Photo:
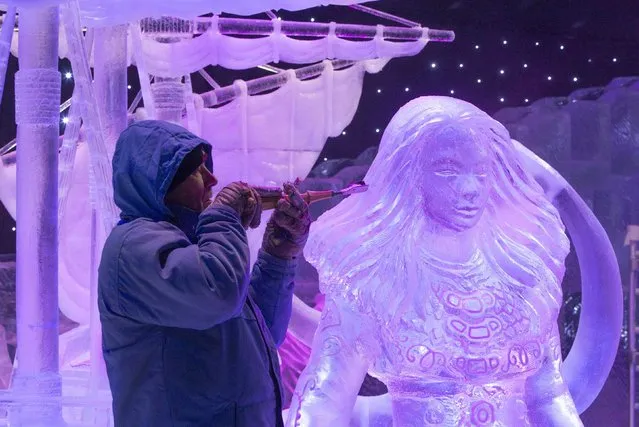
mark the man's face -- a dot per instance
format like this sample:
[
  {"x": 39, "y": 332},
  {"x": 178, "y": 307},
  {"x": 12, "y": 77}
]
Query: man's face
[{"x": 195, "y": 191}]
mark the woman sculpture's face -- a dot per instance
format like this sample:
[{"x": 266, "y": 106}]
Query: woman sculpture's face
[{"x": 456, "y": 180}]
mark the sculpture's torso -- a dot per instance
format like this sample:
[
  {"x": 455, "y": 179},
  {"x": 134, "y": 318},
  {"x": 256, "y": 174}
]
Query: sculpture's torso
[{"x": 462, "y": 357}]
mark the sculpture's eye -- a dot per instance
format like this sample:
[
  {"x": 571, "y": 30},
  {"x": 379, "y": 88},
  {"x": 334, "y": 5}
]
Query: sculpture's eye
[{"x": 446, "y": 172}]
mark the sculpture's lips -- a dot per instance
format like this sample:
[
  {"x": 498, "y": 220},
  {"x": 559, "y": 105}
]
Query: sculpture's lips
[{"x": 467, "y": 210}]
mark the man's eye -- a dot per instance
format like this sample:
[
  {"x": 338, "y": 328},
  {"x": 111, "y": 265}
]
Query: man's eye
[{"x": 446, "y": 173}]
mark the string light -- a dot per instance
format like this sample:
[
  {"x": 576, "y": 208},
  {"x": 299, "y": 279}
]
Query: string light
[
  {"x": 478, "y": 80},
  {"x": 65, "y": 120},
  {"x": 526, "y": 100},
  {"x": 536, "y": 43},
  {"x": 406, "y": 89},
  {"x": 476, "y": 47},
  {"x": 501, "y": 99},
  {"x": 325, "y": 158},
  {"x": 128, "y": 87},
  {"x": 505, "y": 42},
  {"x": 461, "y": 65},
  {"x": 574, "y": 79},
  {"x": 549, "y": 78},
  {"x": 68, "y": 75},
  {"x": 433, "y": 65},
  {"x": 379, "y": 91},
  {"x": 376, "y": 130},
  {"x": 344, "y": 133},
  {"x": 452, "y": 91},
  {"x": 501, "y": 72},
  {"x": 525, "y": 65},
  {"x": 13, "y": 229},
  {"x": 589, "y": 59},
  {"x": 561, "y": 47},
  {"x": 614, "y": 59},
  {"x": 312, "y": 19}
]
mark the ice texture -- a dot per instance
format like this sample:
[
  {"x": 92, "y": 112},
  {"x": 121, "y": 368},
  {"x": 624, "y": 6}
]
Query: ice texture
[{"x": 444, "y": 281}]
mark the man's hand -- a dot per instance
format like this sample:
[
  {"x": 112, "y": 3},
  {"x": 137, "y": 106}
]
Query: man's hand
[
  {"x": 287, "y": 230},
  {"x": 244, "y": 200}
]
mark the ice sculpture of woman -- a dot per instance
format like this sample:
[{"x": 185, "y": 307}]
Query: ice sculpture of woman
[{"x": 443, "y": 281}]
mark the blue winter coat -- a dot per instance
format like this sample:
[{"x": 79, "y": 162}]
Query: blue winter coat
[{"x": 189, "y": 337}]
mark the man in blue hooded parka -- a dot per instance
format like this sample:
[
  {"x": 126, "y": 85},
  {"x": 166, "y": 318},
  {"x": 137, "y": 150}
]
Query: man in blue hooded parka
[{"x": 189, "y": 334}]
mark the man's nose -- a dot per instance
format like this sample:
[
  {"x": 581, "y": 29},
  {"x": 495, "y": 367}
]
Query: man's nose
[{"x": 210, "y": 179}]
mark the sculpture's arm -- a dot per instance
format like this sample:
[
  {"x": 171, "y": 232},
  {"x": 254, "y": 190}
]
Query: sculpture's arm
[
  {"x": 547, "y": 397},
  {"x": 327, "y": 389}
]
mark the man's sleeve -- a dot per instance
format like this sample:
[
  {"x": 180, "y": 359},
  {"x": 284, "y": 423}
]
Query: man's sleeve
[
  {"x": 272, "y": 283},
  {"x": 164, "y": 279}
]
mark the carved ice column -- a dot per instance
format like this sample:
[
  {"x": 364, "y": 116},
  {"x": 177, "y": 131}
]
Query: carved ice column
[
  {"x": 36, "y": 382},
  {"x": 110, "y": 85},
  {"x": 111, "y": 81},
  {"x": 168, "y": 99}
]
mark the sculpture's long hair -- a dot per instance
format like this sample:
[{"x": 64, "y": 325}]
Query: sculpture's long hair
[{"x": 369, "y": 249}]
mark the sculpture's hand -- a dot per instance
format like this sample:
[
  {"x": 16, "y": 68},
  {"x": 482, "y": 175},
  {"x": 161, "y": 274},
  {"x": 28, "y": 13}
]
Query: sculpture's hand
[{"x": 547, "y": 397}]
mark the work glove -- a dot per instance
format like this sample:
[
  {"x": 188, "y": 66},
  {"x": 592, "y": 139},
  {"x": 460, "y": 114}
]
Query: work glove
[
  {"x": 287, "y": 230},
  {"x": 244, "y": 200}
]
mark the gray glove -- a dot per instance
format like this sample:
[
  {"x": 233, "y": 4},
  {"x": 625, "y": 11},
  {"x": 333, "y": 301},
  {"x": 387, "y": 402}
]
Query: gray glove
[
  {"x": 244, "y": 200},
  {"x": 287, "y": 230}
]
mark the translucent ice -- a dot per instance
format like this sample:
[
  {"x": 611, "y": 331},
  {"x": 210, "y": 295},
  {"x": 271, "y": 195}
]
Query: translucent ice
[{"x": 443, "y": 281}]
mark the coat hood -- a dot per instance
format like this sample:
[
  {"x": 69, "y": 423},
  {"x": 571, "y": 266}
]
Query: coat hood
[{"x": 147, "y": 156}]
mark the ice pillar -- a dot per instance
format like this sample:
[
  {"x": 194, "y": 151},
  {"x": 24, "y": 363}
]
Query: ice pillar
[
  {"x": 110, "y": 86},
  {"x": 110, "y": 83},
  {"x": 36, "y": 382},
  {"x": 168, "y": 98}
]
